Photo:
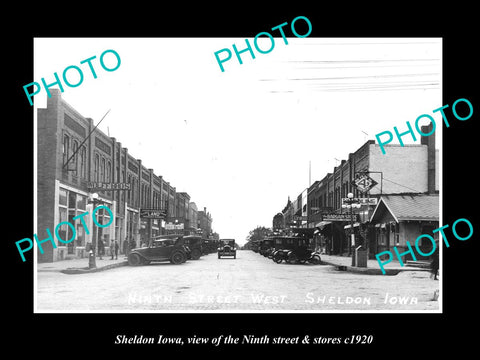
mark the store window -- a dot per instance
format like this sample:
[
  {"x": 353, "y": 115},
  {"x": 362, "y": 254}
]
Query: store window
[
  {"x": 103, "y": 218},
  {"x": 62, "y": 198},
  {"x": 72, "y": 200},
  {"x": 62, "y": 230},
  {"x": 81, "y": 202},
  {"x": 71, "y": 205}
]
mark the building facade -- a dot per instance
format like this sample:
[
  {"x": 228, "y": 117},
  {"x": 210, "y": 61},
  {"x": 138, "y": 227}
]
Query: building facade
[
  {"x": 403, "y": 217},
  {"x": 204, "y": 223},
  {"x": 411, "y": 169},
  {"x": 75, "y": 160}
]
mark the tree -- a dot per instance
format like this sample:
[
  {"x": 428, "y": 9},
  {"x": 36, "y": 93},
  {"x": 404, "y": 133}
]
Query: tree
[{"x": 258, "y": 233}]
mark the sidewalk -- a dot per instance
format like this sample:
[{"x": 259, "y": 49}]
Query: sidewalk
[
  {"x": 80, "y": 266},
  {"x": 344, "y": 263}
]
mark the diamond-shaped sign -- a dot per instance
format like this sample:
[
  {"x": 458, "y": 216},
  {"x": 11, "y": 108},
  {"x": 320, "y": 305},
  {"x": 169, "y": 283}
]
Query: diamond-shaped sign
[{"x": 363, "y": 182}]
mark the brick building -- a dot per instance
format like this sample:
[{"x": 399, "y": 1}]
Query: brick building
[
  {"x": 204, "y": 223},
  {"x": 66, "y": 183},
  {"x": 410, "y": 169}
]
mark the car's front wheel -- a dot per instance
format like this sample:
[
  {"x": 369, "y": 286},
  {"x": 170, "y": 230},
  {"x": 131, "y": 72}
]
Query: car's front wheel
[
  {"x": 315, "y": 260},
  {"x": 278, "y": 258},
  {"x": 196, "y": 254},
  {"x": 291, "y": 258},
  {"x": 134, "y": 259},
  {"x": 177, "y": 258}
]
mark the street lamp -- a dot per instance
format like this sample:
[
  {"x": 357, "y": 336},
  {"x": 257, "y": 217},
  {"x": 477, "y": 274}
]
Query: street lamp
[
  {"x": 351, "y": 203},
  {"x": 93, "y": 199}
]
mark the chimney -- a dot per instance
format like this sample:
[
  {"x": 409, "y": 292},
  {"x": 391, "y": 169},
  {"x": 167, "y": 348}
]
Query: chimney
[{"x": 430, "y": 142}]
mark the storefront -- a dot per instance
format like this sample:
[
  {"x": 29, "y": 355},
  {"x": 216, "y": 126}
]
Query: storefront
[
  {"x": 401, "y": 218},
  {"x": 73, "y": 202}
]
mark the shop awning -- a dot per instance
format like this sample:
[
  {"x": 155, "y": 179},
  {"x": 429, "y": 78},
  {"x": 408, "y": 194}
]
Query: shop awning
[
  {"x": 321, "y": 224},
  {"x": 401, "y": 207},
  {"x": 354, "y": 225}
]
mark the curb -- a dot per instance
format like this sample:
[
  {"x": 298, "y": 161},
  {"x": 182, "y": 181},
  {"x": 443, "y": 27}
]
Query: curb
[
  {"x": 370, "y": 271},
  {"x": 86, "y": 270}
]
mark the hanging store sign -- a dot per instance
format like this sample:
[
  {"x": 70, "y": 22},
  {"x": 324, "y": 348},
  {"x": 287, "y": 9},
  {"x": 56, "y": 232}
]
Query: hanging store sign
[
  {"x": 153, "y": 213},
  {"x": 363, "y": 182},
  {"x": 299, "y": 218},
  {"x": 172, "y": 226},
  {"x": 361, "y": 201},
  {"x": 339, "y": 217},
  {"x": 95, "y": 185}
]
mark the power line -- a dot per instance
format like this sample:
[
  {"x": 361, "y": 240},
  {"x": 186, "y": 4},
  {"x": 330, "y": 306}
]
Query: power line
[{"x": 402, "y": 185}]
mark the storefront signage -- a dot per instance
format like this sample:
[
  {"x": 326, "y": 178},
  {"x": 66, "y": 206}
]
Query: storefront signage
[
  {"x": 299, "y": 218},
  {"x": 361, "y": 201},
  {"x": 363, "y": 182},
  {"x": 172, "y": 226},
  {"x": 153, "y": 213},
  {"x": 93, "y": 185},
  {"x": 339, "y": 217},
  {"x": 322, "y": 209}
]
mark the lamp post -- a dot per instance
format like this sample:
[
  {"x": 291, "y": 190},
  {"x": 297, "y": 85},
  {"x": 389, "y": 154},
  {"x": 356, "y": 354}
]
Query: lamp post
[
  {"x": 93, "y": 199},
  {"x": 351, "y": 203}
]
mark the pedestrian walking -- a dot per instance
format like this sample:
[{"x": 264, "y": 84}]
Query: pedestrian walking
[
  {"x": 112, "y": 249},
  {"x": 125, "y": 247},
  {"x": 117, "y": 247},
  {"x": 434, "y": 265},
  {"x": 101, "y": 248}
]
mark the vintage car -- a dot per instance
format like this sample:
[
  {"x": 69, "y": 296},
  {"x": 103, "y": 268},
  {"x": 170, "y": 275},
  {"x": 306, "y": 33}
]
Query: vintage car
[
  {"x": 171, "y": 249},
  {"x": 209, "y": 246},
  {"x": 266, "y": 246},
  {"x": 295, "y": 250},
  {"x": 195, "y": 243},
  {"x": 282, "y": 246},
  {"x": 227, "y": 248},
  {"x": 302, "y": 252}
]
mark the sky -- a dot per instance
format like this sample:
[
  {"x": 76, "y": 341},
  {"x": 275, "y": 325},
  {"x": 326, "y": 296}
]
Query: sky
[{"x": 239, "y": 142}]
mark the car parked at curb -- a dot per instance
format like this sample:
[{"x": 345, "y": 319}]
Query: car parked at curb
[
  {"x": 171, "y": 249},
  {"x": 196, "y": 244}
]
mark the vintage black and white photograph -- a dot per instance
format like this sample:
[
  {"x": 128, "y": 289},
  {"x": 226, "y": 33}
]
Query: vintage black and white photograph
[{"x": 268, "y": 174}]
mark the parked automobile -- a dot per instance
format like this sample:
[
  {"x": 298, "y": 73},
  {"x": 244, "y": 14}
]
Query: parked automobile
[
  {"x": 301, "y": 252},
  {"x": 227, "y": 248},
  {"x": 282, "y": 246},
  {"x": 171, "y": 249},
  {"x": 265, "y": 246},
  {"x": 209, "y": 246},
  {"x": 195, "y": 244}
]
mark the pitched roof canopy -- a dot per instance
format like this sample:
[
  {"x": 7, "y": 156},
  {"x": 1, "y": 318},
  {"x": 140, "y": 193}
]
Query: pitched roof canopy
[{"x": 416, "y": 207}]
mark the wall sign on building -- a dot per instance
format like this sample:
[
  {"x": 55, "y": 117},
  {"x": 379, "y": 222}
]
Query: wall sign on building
[
  {"x": 339, "y": 217},
  {"x": 95, "y": 185},
  {"x": 153, "y": 213}
]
